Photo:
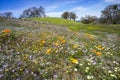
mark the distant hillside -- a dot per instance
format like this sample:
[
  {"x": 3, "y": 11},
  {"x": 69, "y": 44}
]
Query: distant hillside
[
  {"x": 57, "y": 21},
  {"x": 77, "y": 26}
]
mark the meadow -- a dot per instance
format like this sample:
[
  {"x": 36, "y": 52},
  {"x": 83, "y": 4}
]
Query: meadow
[{"x": 59, "y": 49}]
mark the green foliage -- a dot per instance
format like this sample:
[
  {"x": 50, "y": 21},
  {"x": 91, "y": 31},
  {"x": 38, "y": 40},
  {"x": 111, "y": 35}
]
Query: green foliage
[
  {"x": 65, "y": 15},
  {"x": 33, "y": 12},
  {"x": 69, "y": 15},
  {"x": 7, "y": 15},
  {"x": 72, "y": 16},
  {"x": 77, "y": 26},
  {"x": 88, "y": 19},
  {"x": 111, "y": 14}
]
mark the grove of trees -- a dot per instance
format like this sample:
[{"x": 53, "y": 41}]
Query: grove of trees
[
  {"x": 69, "y": 15},
  {"x": 33, "y": 12},
  {"x": 7, "y": 15},
  {"x": 110, "y": 15},
  {"x": 88, "y": 19}
]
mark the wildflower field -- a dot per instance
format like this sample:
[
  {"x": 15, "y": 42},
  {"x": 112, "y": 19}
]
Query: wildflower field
[{"x": 59, "y": 52}]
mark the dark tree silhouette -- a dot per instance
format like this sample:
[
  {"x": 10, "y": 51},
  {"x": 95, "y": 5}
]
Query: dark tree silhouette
[
  {"x": 41, "y": 11},
  {"x": 72, "y": 16},
  {"x": 69, "y": 15},
  {"x": 33, "y": 12},
  {"x": 66, "y": 15},
  {"x": 111, "y": 13},
  {"x": 7, "y": 14},
  {"x": 88, "y": 19}
]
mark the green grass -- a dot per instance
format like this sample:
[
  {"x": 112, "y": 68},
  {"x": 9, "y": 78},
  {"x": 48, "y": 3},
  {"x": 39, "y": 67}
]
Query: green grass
[
  {"x": 56, "y": 52},
  {"x": 77, "y": 26},
  {"x": 56, "y": 21}
]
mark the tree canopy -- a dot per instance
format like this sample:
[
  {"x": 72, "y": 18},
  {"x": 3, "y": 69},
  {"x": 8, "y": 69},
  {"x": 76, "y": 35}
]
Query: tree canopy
[
  {"x": 88, "y": 19},
  {"x": 111, "y": 14},
  {"x": 7, "y": 14},
  {"x": 72, "y": 16},
  {"x": 33, "y": 12},
  {"x": 65, "y": 15},
  {"x": 69, "y": 15}
]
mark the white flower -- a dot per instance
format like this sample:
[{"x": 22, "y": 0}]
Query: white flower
[
  {"x": 75, "y": 69},
  {"x": 89, "y": 63},
  {"x": 81, "y": 64},
  {"x": 111, "y": 54},
  {"x": 87, "y": 68},
  {"x": 89, "y": 77},
  {"x": 109, "y": 71},
  {"x": 116, "y": 69}
]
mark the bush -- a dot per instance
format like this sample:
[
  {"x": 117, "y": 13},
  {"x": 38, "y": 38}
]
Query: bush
[
  {"x": 103, "y": 20},
  {"x": 88, "y": 19}
]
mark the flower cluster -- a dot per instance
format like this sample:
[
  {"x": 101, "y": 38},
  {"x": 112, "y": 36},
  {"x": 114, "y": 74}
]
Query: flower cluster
[
  {"x": 43, "y": 53},
  {"x": 6, "y": 31},
  {"x": 75, "y": 61}
]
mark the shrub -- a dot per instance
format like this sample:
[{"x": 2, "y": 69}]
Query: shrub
[{"x": 88, "y": 19}]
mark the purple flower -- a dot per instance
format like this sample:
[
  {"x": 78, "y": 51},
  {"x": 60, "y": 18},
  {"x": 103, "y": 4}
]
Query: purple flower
[{"x": 1, "y": 75}]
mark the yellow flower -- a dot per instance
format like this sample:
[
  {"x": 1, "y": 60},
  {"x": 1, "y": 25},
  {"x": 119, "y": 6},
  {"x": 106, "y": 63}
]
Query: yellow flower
[
  {"x": 49, "y": 50},
  {"x": 35, "y": 61},
  {"x": 60, "y": 38},
  {"x": 67, "y": 71},
  {"x": 75, "y": 61},
  {"x": 98, "y": 53},
  {"x": 20, "y": 69},
  {"x": 102, "y": 48},
  {"x": 90, "y": 36},
  {"x": 94, "y": 51},
  {"x": 63, "y": 41},
  {"x": 26, "y": 55},
  {"x": 56, "y": 44},
  {"x": 43, "y": 41},
  {"x": 6, "y": 31},
  {"x": 99, "y": 46},
  {"x": 74, "y": 46}
]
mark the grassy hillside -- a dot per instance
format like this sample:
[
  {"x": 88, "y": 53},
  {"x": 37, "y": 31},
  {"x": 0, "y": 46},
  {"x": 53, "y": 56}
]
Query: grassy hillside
[
  {"x": 57, "y": 21},
  {"x": 57, "y": 52},
  {"x": 77, "y": 26}
]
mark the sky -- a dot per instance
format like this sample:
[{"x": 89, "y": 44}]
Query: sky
[{"x": 55, "y": 8}]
